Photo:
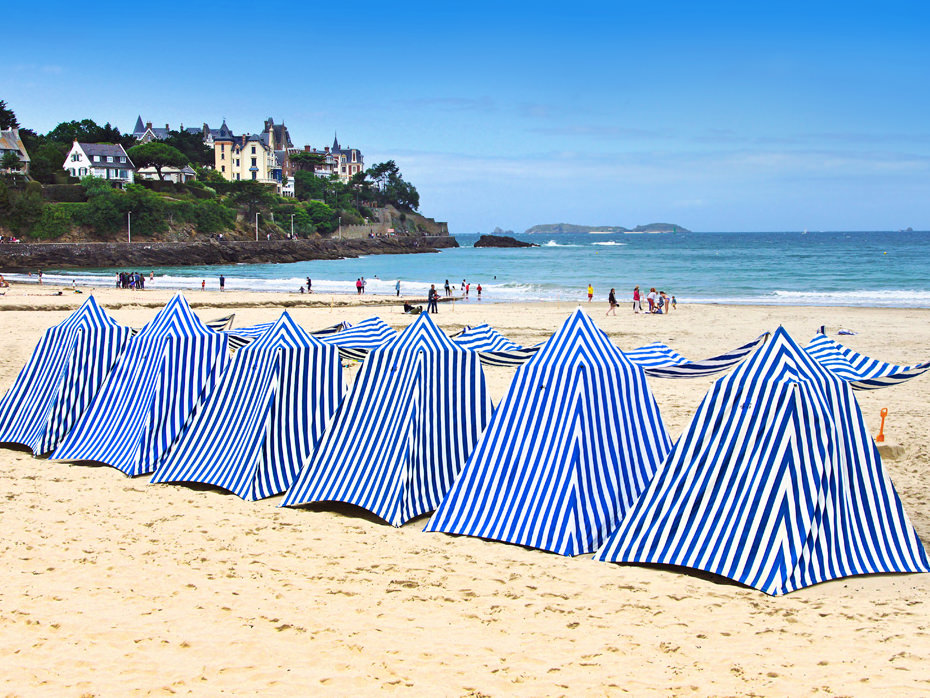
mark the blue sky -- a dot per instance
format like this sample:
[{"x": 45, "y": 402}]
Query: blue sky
[{"x": 716, "y": 116}]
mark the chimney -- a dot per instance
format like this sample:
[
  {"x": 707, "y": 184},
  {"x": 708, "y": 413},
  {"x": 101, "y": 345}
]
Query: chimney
[
  {"x": 181, "y": 128},
  {"x": 167, "y": 127},
  {"x": 148, "y": 124}
]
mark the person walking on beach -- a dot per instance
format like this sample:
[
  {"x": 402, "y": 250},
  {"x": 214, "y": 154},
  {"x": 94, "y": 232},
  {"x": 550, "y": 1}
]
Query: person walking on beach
[
  {"x": 203, "y": 285},
  {"x": 637, "y": 301},
  {"x": 397, "y": 288},
  {"x": 363, "y": 284},
  {"x": 222, "y": 283},
  {"x": 651, "y": 299},
  {"x": 590, "y": 292},
  {"x": 467, "y": 287},
  {"x": 358, "y": 286},
  {"x": 612, "y": 302},
  {"x": 448, "y": 289},
  {"x": 432, "y": 305},
  {"x": 309, "y": 285},
  {"x": 479, "y": 291},
  {"x": 674, "y": 303}
]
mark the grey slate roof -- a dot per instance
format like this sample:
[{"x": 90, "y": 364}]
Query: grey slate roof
[{"x": 104, "y": 149}]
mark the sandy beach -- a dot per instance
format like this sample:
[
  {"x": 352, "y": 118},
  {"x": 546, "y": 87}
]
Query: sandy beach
[{"x": 111, "y": 586}]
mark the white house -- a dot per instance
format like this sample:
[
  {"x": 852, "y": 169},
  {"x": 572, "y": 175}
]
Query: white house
[
  {"x": 100, "y": 160},
  {"x": 10, "y": 142},
  {"x": 178, "y": 175}
]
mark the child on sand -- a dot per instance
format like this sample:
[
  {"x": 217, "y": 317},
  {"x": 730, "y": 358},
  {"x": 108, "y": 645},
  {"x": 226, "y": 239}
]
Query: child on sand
[{"x": 590, "y": 292}]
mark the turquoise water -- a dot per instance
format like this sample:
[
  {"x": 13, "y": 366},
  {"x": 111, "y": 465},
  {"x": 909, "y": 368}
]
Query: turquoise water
[{"x": 818, "y": 268}]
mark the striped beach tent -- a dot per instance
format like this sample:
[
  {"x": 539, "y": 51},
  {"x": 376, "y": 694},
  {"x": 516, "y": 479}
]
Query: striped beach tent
[
  {"x": 356, "y": 341},
  {"x": 332, "y": 329},
  {"x": 61, "y": 378},
  {"x": 404, "y": 431},
  {"x": 575, "y": 440},
  {"x": 264, "y": 418},
  {"x": 493, "y": 348},
  {"x": 241, "y": 336},
  {"x": 775, "y": 483},
  {"x": 862, "y": 372},
  {"x": 661, "y": 361},
  {"x": 150, "y": 392}
]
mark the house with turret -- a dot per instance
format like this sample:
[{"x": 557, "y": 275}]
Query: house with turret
[{"x": 259, "y": 157}]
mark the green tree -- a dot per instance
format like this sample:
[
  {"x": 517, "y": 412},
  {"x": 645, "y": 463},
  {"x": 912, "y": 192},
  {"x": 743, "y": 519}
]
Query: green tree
[
  {"x": 191, "y": 144},
  {"x": 47, "y": 160},
  {"x": 306, "y": 162},
  {"x": 253, "y": 195},
  {"x": 157, "y": 155},
  {"x": 7, "y": 117},
  {"x": 10, "y": 162}
]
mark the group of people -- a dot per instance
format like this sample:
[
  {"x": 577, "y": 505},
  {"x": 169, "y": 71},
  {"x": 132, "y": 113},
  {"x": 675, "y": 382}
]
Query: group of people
[
  {"x": 132, "y": 280},
  {"x": 658, "y": 302},
  {"x": 360, "y": 285}
]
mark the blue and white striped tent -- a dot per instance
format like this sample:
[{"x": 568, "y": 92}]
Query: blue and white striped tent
[
  {"x": 61, "y": 378},
  {"x": 241, "y": 336},
  {"x": 776, "y": 483},
  {"x": 862, "y": 372},
  {"x": 150, "y": 392},
  {"x": 263, "y": 419},
  {"x": 493, "y": 348},
  {"x": 404, "y": 431},
  {"x": 573, "y": 443},
  {"x": 355, "y": 342},
  {"x": 661, "y": 361}
]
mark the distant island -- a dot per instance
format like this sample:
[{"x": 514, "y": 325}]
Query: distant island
[{"x": 552, "y": 228}]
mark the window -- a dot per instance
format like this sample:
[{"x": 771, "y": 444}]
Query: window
[
  {"x": 76, "y": 157},
  {"x": 222, "y": 156},
  {"x": 122, "y": 159},
  {"x": 223, "y": 168},
  {"x": 253, "y": 161},
  {"x": 253, "y": 150},
  {"x": 237, "y": 162},
  {"x": 255, "y": 175},
  {"x": 237, "y": 176},
  {"x": 109, "y": 158}
]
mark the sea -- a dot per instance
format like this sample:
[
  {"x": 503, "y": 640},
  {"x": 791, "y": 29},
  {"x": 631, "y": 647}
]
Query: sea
[{"x": 880, "y": 268}]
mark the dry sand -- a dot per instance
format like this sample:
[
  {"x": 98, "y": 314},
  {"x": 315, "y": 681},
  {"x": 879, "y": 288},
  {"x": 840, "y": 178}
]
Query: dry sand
[{"x": 111, "y": 586}]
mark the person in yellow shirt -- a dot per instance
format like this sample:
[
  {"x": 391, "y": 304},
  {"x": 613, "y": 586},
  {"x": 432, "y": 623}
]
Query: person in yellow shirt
[{"x": 590, "y": 292}]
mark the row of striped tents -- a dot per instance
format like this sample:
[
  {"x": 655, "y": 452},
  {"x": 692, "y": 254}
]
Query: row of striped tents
[
  {"x": 61, "y": 378},
  {"x": 661, "y": 361},
  {"x": 150, "y": 392},
  {"x": 241, "y": 336},
  {"x": 862, "y": 372},
  {"x": 264, "y": 418},
  {"x": 402, "y": 434},
  {"x": 355, "y": 342},
  {"x": 775, "y": 483},
  {"x": 575, "y": 440},
  {"x": 493, "y": 348}
]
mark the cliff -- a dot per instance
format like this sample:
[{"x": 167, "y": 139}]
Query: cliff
[
  {"x": 502, "y": 241},
  {"x": 142, "y": 255}
]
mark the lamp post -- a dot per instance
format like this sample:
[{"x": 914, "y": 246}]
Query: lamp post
[
  {"x": 292, "y": 226},
  {"x": 256, "y": 226},
  {"x": 128, "y": 226},
  {"x": 340, "y": 227}
]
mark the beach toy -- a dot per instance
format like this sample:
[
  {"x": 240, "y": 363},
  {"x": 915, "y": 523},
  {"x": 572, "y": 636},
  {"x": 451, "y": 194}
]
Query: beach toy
[{"x": 881, "y": 430}]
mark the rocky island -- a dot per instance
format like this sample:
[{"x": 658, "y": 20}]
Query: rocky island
[{"x": 502, "y": 241}]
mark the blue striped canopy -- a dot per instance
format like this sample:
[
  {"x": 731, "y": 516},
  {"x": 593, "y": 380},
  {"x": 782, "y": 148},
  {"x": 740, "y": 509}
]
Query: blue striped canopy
[
  {"x": 493, "y": 348},
  {"x": 61, "y": 378},
  {"x": 575, "y": 440},
  {"x": 241, "y": 336},
  {"x": 404, "y": 431},
  {"x": 776, "y": 484},
  {"x": 860, "y": 371},
  {"x": 150, "y": 392},
  {"x": 263, "y": 419},
  {"x": 661, "y": 361},
  {"x": 355, "y": 342}
]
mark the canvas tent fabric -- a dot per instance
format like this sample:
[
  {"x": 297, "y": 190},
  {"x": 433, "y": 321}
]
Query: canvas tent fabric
[
  {"x": 241, "y": 336},
  {"x": 493, "y": 348},
  {"x": 862, "y": 372},
  {"x": 404, "y": 431},
  {"x": 263, "y": 419},
  {"x": 355, "y": 342},
  {"x": 220, "y": 324},
  {"x": 149, "y": 393},
  {"x": 62, "y": 376},
  {"x": 775, "y": 483},
  {"x": 575, "y": 440},
  {"x": 661, "y": 361}
]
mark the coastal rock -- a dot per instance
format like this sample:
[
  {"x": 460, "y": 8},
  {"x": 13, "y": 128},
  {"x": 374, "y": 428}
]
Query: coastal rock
[
  {"x": 140, "y": 255},
  {"x": 502, "y": 241}
]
